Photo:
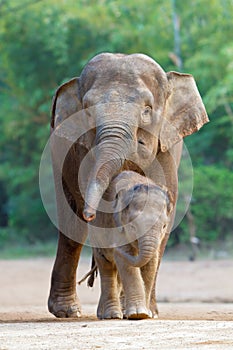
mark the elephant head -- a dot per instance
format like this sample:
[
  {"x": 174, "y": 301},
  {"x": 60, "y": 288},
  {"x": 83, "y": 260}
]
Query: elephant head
[
  {"x": 142, "y": 212},
  {"x": 137, "y": 110}
]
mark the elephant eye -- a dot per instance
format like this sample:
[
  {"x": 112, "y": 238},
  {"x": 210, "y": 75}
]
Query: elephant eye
[{"x": 146, "y": 115}]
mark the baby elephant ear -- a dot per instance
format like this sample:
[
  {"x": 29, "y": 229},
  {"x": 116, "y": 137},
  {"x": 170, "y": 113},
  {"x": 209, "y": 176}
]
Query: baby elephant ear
[{"x": 184, "y": 110}]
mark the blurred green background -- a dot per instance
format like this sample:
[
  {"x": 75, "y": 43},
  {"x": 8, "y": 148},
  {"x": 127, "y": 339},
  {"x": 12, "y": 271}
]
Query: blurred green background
[{"x": 44, "y": 43}]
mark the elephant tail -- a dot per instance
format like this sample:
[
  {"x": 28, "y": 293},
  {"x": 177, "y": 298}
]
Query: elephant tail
[{"x": 91, "y": 275}]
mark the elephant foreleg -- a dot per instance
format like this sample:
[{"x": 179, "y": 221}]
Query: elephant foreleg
[
  {"x": 153, "y": 301},
  {"x": 63, "y": 300},
  {"x": 134, "y": 290},
  {"x": 149, "y": 272}
]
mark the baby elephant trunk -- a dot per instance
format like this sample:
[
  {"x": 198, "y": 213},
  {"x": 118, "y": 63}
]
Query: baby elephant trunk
[{"x": 147, "y": 247}]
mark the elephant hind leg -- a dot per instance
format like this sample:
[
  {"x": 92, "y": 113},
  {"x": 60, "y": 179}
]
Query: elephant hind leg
[{"x": 109, "y": 304}]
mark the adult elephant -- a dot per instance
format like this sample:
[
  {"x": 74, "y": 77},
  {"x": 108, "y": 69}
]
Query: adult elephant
[{"x": 138, "y": 117}]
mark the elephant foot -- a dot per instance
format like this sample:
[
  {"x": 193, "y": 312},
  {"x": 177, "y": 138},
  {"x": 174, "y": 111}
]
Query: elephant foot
[
  {"x": 63, "y": 303},
  {"x": 138, "y": 313},
  {"x": 109, "y": 312}
]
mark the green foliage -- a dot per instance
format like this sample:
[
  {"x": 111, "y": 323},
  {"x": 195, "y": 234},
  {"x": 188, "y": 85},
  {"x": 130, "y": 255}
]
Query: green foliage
[
  {"x": 43, "y": 44},
  {"x": 212, "y": 202}
]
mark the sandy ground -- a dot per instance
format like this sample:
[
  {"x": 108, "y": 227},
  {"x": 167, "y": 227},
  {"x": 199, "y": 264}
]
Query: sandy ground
[{"x": 195, "y": 304}]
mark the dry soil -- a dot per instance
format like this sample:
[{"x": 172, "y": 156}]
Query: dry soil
[{"x": 195, "y": 304}]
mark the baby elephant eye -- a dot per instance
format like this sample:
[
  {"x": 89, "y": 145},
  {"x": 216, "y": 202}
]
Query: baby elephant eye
[{"x": 146, "y": 115}]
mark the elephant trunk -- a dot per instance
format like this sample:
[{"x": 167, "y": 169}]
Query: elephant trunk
[
  {"x": 113, "y": 146},
  {"x": 147, "y": 246}
]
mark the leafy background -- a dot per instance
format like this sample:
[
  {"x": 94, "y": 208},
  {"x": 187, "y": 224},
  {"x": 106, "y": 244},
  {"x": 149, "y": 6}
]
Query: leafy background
[{"x": 43, "y": 43}]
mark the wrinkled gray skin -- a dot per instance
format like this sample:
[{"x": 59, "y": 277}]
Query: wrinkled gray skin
[
  {"x": 137, "y": 112},
  {"x": 142, "y": 211}
]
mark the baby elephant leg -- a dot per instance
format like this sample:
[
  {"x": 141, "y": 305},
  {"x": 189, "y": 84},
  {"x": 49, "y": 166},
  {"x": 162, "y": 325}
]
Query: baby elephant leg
[
  {"x": 149, "y": 274},
  {"x": 109, "y": 303},
  {"x": 134, "y": 291}
]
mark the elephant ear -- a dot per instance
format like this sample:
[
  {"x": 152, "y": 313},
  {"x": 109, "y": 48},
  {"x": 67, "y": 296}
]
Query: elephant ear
[
  {"x": 184, "y": 110},
  {"x": 66, "y": 102},
  {"x": 69, "y": 119}
]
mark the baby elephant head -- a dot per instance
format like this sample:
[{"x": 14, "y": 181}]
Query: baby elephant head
[{"x": 143, "y": 210}]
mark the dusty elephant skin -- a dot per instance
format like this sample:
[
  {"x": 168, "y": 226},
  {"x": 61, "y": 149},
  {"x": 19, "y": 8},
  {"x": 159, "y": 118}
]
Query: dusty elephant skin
[
  {"x": 138, "y": 115},
  {"x": 142, "y": 213}
]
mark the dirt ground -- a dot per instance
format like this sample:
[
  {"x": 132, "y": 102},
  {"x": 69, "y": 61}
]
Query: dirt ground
[{"x": 195, "y": 304}]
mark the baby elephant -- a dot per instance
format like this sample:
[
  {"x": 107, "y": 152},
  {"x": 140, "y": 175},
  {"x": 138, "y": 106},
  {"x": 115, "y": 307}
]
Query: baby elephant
[{"x": 141, "y": 213}]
